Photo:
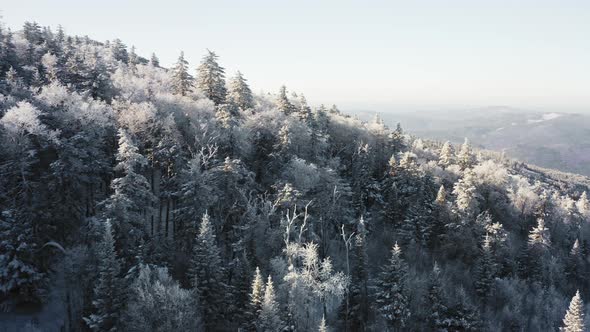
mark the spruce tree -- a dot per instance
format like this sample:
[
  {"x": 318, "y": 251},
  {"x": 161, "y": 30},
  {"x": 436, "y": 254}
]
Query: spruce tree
[
  {"x": 119, "y": 51},
  {"x": 485, "y": 271},
  {"x": 447, "y": 155},
  {"x": 131, "y": 199},
  {"x": 574, "y": 317},
  {"x": 182, "y": 81},
  {"x": 154, "y": 61},
  {"x": 256, "y": 299},
  {"x": 323, "y": 326},
  {"x": 358, "y": 289},
  {"x": 304, "y": 111},
  {"x": 583, "y": 205},
  {"x": 269, "y": 319},
  {"x": 391, "y": 298},
  {"x": 465, "y": 191},
  {"x": 239, "y": 93},
  {"x": 539, "y": 235},
  {"x": 206, "y": 273},
  {"x": 108, "y": 299},
  {"x": 440, "y": 219},
  {"x": 575, "y": 266},
  {"x": 283, "y": 102},
  {"x": 437, "y": 314},
  {"x": 19, "y": 272},
  {"x": 211, "y": 78},
  {"x": 465, "y": 157}
]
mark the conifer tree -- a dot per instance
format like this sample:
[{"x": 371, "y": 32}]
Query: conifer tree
[
  {"x": 181, "y": 79},
  {"x": 269, "y": 319},
  {"x": 574, "y": 266},
  {"x": 323, "y": 326},
  {"x": 437, "y": 315},
  {"x": 485, "y": 271},
  {"x": 256, "y": 299},
  {"x": 108, "y": 292},
  {"x": 539, "y": 235},
  {"x": 441, "y": 196},
  {"x": 195, "y": 190},
  {"x": 574, "y": 317},
  {"x": 131, "y": 200},
  {"x": 304, "y": 111},
  {"x": 206, "y": 273},
  {"x": 447, "y": 155},
  {"x": 211, "y": 78},
  {"x": 583, "y": 205},
  {"x": 19, "y": 273},
  {"x": 239, "y": 93},
  {"x": 462, "y": 316},
  {"x": 465, "y": 157},
  {"x": 391, "y": 298},
  {"x": 154, "y": 61},
  {"x": 358, "y": 289},
  {"x": 465, "y": 190},
  {"x": 133, "y": 58},
  {"x": 283, "y": 102},
  {"x": 440, "y": 218},
  {"x": 119, "y": 51}
]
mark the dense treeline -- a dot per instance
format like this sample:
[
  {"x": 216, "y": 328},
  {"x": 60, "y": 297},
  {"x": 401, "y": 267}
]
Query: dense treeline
[{"x": 165, "y": 201}]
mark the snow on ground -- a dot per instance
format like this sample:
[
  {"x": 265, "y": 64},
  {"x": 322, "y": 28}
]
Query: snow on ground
[{"x": 546, "y": 117}]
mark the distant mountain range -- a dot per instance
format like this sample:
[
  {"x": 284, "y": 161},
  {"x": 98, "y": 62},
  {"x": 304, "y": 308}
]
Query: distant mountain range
[{"x": 553, "y": 140}]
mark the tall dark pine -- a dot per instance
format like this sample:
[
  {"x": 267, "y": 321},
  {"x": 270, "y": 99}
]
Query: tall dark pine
[
  {"x": 391, "y": 299},
  {"x": 206, "y": 272},
  {"x": 108, "y": 292}
]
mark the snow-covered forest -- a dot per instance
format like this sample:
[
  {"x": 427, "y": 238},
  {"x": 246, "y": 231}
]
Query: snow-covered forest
[{"x": 140, "y": 198}]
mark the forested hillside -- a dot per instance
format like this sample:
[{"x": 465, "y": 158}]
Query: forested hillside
[{"x": 140, "y": 198}]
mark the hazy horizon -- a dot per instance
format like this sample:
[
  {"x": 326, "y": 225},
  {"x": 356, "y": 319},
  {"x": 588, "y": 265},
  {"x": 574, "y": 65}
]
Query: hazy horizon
[{"x": 377, "y": 56}]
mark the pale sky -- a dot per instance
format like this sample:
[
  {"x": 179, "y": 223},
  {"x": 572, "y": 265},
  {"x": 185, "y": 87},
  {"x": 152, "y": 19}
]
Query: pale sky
[{"x": 360, "y": 55}]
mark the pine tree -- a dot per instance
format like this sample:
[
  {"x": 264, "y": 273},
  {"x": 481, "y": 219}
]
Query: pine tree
[
  {"x": 133, "y": 57},
  {"x": 435, "y": 299},
  {"x": 206, "y": 273},
  {"x": 447, "y": 155},
  {"x": 391, "y": 298},
  {"x": 575, "y": 265},
  {"x": 239, "y": 93},
  {"x": 539, "y": 235},
  {"x": 574, "y": 317},
  {"x": 358, "y": 290},
  {"x": 465, "y": 157},
  {"x": 583, "y": 205},
  {"x": 131, "y": 200},
  {"x": 465, "y": 190},
  {"x": 211, "y": 78},
  {"x": 19, "y": 274},
  {"x": 108, "y": 292},
  {"x": 323, "y": 326},
  {"x": 256, "y": 299},
  {"x": 440, "y": 218},
  {"x": 361, "y": 179},
  {"x": 417, "y": 225},
  {"x": 462, "y": 316},
  {"x": 119, "y": 51},
  {"x": 195, "y": 190},
  {"x": 304, "y": 111},
  {"x": 283, "y": 102},
  {"x": 485, "y": 271},
  {"x": 269, "y": 319},
  {"x": 441, "y": 196},
  {"x": 154, "y": 61},
  {"x": 182, "y": 81}
]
